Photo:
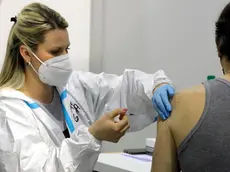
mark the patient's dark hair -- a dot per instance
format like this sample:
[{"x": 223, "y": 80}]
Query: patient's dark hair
[{"x": 223, "y": 32}]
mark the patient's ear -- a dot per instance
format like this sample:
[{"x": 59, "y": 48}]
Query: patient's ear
[
  {"x": 218, "y": 50},
  {"x": 219, "y": 54}
]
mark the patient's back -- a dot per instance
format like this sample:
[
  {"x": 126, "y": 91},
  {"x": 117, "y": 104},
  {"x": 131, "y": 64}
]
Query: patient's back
[{"x": 201, "y": 129}]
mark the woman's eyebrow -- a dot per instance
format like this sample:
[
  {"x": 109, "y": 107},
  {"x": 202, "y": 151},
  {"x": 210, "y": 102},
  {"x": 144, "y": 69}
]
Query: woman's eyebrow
[{"x": 59, "y": 46}]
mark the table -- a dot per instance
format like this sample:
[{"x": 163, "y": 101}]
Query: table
[{"x": 116, "y": 162}]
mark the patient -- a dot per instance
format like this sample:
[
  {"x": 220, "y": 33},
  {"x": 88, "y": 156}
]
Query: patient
[{"x": 196, "y": 138}]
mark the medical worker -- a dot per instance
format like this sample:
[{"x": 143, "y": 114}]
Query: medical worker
[{"x": 53, "y": 119}]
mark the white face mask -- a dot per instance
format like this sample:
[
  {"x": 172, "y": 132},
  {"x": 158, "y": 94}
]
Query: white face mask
[{"x": 55, "y": 71}]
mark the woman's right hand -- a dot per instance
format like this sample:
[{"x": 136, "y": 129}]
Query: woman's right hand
[{"x": 106, "y": 128}]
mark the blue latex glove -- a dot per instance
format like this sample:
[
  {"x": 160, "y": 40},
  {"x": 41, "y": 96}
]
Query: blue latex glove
[{"x": 161, "y": 101}]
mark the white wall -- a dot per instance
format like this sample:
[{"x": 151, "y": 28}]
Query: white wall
[
  {"x": 174, "y": 35},
  {"x": 76, "y": 12}
]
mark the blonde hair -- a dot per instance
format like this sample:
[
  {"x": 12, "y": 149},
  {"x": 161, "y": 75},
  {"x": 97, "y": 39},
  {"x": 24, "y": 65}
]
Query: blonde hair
[{"x": 29, "y": 29}]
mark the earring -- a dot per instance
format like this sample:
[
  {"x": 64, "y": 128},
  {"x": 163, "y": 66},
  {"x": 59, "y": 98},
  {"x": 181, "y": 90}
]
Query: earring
[{"x": 28, "y": 63}]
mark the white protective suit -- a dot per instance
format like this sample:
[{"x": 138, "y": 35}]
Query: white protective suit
[{"x": 31, "y": 141}]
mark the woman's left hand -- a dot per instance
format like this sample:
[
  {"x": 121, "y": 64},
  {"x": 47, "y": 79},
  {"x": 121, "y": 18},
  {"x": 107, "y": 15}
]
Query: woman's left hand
[{"x": 160, "y": 100}]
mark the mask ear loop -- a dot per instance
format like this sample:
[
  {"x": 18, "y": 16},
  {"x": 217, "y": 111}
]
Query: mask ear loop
[
  {"x": 29, "y": 64},
  {"x": 39, "y": 60}
]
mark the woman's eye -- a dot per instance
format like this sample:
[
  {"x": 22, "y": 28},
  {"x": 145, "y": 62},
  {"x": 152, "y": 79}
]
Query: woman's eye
[
  {"x": 59, "y": 51},
  {"x": 55, "y": 52}
]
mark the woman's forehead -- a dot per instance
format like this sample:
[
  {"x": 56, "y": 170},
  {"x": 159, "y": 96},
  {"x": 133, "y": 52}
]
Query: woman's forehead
[{"x": 57, "y": 38}]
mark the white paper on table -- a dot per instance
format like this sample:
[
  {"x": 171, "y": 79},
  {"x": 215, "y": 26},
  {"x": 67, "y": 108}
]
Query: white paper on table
[{"x": 141, "y": 157}]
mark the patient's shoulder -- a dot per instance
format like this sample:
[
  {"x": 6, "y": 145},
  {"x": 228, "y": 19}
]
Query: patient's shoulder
[
  {"x": 188, "y": 101},
  {"x": 188, "y": 95},
  {"x": 187, "y": 107},
  {"x": 197, "y": 89}
]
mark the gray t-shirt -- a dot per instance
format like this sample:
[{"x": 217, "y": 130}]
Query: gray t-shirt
[
  {"x": 207, "y": 147},
  {"x": 55, "y": 110}
]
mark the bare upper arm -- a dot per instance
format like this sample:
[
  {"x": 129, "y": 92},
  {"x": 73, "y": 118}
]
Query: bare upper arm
[{"x": 165, "y": 152}]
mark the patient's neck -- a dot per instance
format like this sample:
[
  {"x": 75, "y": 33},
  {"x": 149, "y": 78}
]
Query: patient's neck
[{"x": 225, "y": 65}]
